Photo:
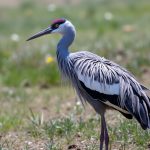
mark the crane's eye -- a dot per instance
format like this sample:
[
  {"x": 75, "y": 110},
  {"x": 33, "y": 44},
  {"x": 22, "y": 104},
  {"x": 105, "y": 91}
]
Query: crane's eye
[{"x": 56, "y": 25}]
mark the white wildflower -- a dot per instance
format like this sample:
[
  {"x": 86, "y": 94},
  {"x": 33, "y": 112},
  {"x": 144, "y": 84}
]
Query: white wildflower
[
  {"x": 78, "y": 103},
  {"x": 28, "y": 142},
  {"x": 15, "y": 37},
  {"x": 51, "y": 7},
  {"x": 108, "y": 16}
]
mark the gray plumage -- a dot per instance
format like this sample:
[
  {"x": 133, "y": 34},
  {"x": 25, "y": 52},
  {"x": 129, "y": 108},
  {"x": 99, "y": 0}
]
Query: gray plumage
[
  {"x": 103, "y": 83},
  {"x": 132, "y": 96}
]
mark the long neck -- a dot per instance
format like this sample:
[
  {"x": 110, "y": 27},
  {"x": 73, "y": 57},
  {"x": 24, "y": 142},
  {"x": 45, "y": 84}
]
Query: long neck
[{"x": 64, "y": 43}]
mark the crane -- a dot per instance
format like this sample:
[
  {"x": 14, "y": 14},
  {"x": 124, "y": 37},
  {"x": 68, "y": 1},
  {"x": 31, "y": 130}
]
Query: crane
[{"x": 98, "y": 81}]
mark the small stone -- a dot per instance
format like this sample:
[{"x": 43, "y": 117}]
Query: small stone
[
  {"x": 73, "y": 146},
  {"x": 128, "y": 28}
]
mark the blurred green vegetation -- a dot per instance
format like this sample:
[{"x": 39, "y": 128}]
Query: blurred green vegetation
[{"x": 115, "y": 29}]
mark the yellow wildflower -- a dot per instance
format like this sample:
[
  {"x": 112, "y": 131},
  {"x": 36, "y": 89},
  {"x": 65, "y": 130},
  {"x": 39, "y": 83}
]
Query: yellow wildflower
[{"x": 49, "y": 59}]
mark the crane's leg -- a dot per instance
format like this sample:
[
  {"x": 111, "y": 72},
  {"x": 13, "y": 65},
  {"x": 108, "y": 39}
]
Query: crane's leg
[
  {"x": 102, "y": 134},
  {"x": 106, "y": 136}
]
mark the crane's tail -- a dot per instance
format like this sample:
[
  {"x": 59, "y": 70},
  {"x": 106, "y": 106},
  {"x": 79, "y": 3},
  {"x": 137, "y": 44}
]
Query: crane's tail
[
  {"x": 147, "y": 90},
  {"x": 140, "y": 110},
  {"x": 149, "y": 114}
]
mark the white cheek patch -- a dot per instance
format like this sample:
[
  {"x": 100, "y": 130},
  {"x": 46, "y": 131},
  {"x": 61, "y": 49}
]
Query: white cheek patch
[
  {"x": 55, "y": 31},
  {"x": 112, "y": 89}
]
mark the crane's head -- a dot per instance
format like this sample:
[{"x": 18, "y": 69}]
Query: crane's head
[{"x": 57, "y": 26}]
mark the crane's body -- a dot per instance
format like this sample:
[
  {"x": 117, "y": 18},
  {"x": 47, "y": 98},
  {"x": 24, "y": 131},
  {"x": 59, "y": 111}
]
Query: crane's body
[{"x": 104, "y": 84}]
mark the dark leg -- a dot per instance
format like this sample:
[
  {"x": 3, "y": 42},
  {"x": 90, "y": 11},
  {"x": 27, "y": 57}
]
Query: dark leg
[
  {"x": 106, "y": 137},
  {"x": 102, "y": 134}
]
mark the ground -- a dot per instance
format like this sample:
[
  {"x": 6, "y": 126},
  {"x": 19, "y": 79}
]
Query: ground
[{"x": 46, "y": 119}]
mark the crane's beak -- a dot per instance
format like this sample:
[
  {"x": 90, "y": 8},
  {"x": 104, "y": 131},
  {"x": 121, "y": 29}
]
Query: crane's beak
[{"x": 41, "y": 33}]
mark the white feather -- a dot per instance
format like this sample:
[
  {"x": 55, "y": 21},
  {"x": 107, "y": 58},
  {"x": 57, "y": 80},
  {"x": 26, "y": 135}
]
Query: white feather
[{"x": 112, "y": 89}]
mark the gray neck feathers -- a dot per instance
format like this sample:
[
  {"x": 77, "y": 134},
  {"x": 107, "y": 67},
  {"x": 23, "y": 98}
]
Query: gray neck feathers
[
  {"x": 65, "y": 42},
  {"x": 63, "y": 51}
]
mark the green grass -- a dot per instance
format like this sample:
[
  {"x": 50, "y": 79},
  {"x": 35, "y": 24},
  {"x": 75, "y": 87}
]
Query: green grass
[
  {"x": 51, "y": 119},
  {"x": 34, "y": 117}
]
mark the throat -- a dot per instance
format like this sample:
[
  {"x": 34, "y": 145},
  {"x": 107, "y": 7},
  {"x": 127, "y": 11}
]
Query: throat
[
  {"x": 64, "y": 44},
  {"x": 62, "y": 54},
  {"x": 63, "y": 51}
]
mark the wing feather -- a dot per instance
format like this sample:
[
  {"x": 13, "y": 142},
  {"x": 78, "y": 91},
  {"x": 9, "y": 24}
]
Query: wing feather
[{"x": 106, "y": 77}]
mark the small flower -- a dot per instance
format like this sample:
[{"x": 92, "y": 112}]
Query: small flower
[
  {"x": 78, "y": 103},
  {"x": 108, "y": 16},
  {"x": 15, "y": 37},
  {"x": 51, "y": 7},
  {"x": 49, "y": 59},
  {"x": 28, "y": 142}
]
